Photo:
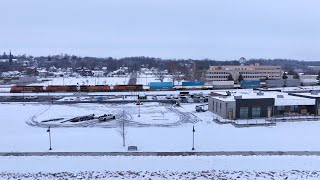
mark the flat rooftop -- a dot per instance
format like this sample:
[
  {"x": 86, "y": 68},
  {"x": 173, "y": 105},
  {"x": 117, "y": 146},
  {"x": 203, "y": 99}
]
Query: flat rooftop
[
  {"x": 311, "y": 95},
  {"x": 300, "y": 88},
  {"x": 281, "y": 99}
]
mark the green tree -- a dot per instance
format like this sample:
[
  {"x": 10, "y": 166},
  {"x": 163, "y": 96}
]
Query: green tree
[
  {"x": 240, "y": 78},
  {"x": 284, "y": 76},
  {"x": 295, "y": 74},
  {"x": 230, "y": 78}
]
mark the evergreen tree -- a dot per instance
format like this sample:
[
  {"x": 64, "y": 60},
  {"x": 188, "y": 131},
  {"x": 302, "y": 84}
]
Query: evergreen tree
[
  {"x": 240, "y": 78},
  {"x": 296, "y": 76},
  {"x": 284, "y": 76},
  {"x": 4, "y": 56},
  {"x": 230, "y": 78}
]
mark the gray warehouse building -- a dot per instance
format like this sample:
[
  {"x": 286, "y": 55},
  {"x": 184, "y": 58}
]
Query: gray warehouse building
[{"x": 255, "y": 105}]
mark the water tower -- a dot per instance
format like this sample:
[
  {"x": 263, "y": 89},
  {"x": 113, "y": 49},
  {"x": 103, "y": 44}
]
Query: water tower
[{"x": 242, "y": 60}]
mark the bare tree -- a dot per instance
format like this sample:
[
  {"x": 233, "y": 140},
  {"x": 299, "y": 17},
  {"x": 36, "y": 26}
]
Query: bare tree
[
  {"x": 122, "y": 128},
  {"x": 172, "y": 68},
  {"x": 160, "y": 75},
  {"x": 159, "y": 71}
]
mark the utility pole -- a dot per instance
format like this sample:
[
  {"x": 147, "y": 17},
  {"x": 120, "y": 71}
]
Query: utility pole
[
  {"x": 49, "y": 131},
  {"x": 193, "y": 130}
]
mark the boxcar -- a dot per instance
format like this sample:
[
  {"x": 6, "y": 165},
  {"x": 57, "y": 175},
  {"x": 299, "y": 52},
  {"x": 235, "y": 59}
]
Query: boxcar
[
  {"x": 61, "y": 89},
  {"x": 19, "y": 89},
  {"x": 97, "y": 88},
  {"x": 128, "y": 87}
]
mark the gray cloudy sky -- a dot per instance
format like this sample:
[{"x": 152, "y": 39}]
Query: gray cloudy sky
[{"x": 217, "y": 29}]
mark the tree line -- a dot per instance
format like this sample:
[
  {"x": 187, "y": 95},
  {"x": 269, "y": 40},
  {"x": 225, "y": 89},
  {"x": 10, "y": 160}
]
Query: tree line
[{"x": 192, "y": 68}]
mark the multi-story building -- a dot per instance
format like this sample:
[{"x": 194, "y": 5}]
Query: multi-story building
[{"x": 248, "y": 72}]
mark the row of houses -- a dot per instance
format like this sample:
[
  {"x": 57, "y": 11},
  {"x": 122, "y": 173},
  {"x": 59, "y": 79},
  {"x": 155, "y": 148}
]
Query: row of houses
[
  {"x": 69, "y": 72},
  {"x": 252, "y": 104}
]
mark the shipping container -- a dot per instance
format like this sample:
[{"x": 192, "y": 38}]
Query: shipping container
[
  {"x": 250, "y": 84},
  {"x": 161, "y": 85},
  {"x": 193, "y": 83},
  {"x": 222, "y": 84},
  {"x": 283, "y": 83}
]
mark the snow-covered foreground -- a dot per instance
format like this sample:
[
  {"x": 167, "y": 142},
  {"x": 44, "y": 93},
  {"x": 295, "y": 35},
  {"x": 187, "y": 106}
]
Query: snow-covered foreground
[
  {"x": 128, "y": 167},
  {"x": 17, "y": 136}
]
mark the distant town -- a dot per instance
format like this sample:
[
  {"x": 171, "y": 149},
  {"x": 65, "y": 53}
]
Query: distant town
[{"x": 22, "y": 69}]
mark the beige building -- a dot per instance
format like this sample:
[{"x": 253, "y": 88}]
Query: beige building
[{"x": 249, "y": 72}]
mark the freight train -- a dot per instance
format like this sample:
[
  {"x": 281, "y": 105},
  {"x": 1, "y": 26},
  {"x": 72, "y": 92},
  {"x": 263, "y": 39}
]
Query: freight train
[
  {"x": 97, "y": 88},
  {"x": 153, "y": 86},
  {"x": 74, "y": 88}
]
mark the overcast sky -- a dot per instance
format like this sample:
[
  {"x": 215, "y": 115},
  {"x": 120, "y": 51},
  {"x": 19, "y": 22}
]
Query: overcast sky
[{"x": 216, "y": 29}]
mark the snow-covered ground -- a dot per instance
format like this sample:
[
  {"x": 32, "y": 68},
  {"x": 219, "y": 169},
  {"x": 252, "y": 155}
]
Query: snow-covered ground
[
  {"x": 160, "y": 128},
  {"x": 174, "y": 134},
  {"x": 146, "y": 79},
  {"x": 192, "y": 167},
  {"x": 84, "y": 81}
]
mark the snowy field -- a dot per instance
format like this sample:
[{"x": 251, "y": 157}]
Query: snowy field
[
  {"x": 152, "y": 114},
  {"x": 84, "y": 81},
  {"x": 192, "y": 167},
  {"x": 146, "y": 79},
  {"x": 161, "y": 128},
  {"x": 22, "y": 129}
]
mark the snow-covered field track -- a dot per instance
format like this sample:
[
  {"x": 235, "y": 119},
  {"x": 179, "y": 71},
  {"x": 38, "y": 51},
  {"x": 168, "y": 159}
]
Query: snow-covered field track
[{"x": 120, "y": 111}]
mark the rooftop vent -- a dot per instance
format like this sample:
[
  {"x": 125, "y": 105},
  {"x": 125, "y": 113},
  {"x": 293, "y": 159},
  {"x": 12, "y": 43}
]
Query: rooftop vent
[
  {"x": 228, "y": 93},
  {"x": 260, "y": 93},
  {"x": 314, "y": 93},
  {"x": 280, "y": 96}
]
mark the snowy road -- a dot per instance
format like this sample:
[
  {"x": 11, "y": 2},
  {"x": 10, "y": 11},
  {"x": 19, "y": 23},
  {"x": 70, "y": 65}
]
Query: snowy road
[{"x": 215, "y": 153}]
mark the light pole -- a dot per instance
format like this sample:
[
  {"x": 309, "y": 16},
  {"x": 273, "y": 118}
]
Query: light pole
[
  {"x": 49, "y": 131},
  {"x": 23, "y": 95},
  {"x": 139, "y": 104},
  {"x": 193, "y": 130}
]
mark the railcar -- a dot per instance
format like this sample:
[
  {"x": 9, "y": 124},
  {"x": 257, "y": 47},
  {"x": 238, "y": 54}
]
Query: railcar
[
  {"x": 19, "y": 89},
  {"x": 97, "y": 88},
  {"x": 61, "y": 89},
  {"x": 128, "y": 88}
]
